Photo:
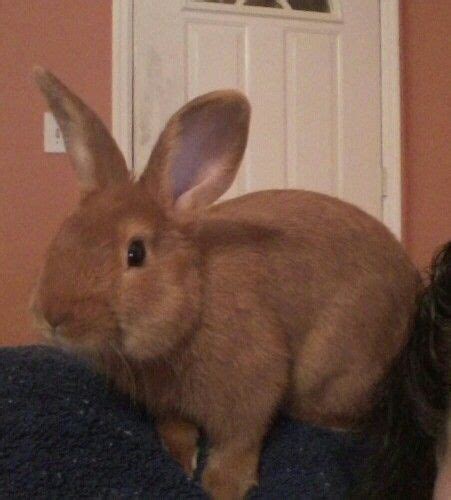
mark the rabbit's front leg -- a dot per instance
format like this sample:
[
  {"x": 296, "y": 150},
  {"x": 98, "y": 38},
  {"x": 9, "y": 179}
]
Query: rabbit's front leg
[
  {"x": 231, "y": 470},
  {"x": 180, "y": 438}
]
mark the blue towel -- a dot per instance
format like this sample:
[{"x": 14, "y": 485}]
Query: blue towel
[{"x": 65, "y": 434}]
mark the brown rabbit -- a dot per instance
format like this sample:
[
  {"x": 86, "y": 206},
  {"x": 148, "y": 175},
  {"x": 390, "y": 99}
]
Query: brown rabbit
[{"x": 217, "y": 316}]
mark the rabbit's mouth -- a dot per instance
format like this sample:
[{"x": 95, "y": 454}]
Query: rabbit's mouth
[
  {"x": 85, "y": 338},
  {"x": 43, "y": 328},
  {"x": 50, "y": 335}
]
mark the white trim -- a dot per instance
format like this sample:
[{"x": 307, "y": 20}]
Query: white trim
[
  {"x": 122, "y": 77},
  {"x": 122, "y": 99},
  {"x": 391, "y": 115}
]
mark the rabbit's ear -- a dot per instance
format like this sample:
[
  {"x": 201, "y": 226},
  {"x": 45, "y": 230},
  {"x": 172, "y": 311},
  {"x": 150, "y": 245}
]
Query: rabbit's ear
[
  {"x": 94, "y": 154},
  {"x": 198, "y": 153}
]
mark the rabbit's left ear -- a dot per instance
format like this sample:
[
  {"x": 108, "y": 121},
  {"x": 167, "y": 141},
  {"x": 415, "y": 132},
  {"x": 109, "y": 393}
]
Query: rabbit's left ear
[
  {"x": 198, "y": 153},
  {"x": 94, "y": 154}
]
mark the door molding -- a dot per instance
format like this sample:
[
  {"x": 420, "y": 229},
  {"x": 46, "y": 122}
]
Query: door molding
[
  {"x": 122, "y": 77},
  {"x": 122, "y": 99},
  {"x": 391, "y": 116}
]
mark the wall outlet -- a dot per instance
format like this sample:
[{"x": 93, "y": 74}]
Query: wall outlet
[{"x": 53, "y": 137}]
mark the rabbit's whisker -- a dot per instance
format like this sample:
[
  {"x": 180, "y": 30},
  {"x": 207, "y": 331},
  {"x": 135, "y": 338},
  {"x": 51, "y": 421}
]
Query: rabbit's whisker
[{"x": 128, "y": 370}]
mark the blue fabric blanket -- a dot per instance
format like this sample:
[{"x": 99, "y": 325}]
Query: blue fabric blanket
[{"x": 65, "y": 434}]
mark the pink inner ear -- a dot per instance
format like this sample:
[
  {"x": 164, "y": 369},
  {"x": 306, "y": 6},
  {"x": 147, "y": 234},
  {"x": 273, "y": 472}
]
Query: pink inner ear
[{"x": 205, "y": 139}]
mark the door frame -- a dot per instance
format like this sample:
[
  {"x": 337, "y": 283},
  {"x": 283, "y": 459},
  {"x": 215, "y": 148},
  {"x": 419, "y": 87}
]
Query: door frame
[{"x": 122, "y": 99}]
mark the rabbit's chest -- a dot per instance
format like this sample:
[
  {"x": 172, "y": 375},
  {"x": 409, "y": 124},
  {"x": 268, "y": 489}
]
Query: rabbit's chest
[{"x": 163, "y": 390}]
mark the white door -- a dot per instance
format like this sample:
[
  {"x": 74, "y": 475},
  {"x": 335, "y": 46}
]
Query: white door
[{"x": 311, "y": 69}]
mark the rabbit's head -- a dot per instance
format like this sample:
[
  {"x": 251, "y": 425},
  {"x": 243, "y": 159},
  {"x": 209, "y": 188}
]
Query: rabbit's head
[{"x": 123, "y": 271}]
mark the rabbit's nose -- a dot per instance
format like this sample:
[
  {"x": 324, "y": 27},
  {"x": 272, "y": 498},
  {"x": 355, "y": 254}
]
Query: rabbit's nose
[{"x": 57, "y": 323}]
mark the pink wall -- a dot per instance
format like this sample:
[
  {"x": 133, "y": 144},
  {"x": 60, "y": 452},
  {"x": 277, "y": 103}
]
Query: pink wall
[
  {"x": 73, "y": 38},
  {"x": 37, "y": 190},
  {"x": 426, "y": 93}
]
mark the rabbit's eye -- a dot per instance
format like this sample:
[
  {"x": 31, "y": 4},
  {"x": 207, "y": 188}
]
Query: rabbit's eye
[{"x": 136, "y": 253}]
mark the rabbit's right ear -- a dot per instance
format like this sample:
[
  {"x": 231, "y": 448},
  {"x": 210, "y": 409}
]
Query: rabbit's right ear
[
  {"x": 94, "y": 154},
  {"x": 198, "y": 153}
]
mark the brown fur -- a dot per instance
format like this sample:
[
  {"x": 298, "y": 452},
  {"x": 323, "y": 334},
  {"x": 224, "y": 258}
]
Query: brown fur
[{"x": 279, "y": 300}]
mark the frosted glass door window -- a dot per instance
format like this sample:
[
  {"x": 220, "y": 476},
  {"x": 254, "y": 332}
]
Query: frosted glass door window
[
  {"x": 312, "y": 5},
  {"x": 218, "y": 1},
  {"x": 263, "y": 3},
  {"x": 309, "y": 5}
]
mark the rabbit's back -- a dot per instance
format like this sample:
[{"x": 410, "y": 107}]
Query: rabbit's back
[{"x": 328, "y": 278}]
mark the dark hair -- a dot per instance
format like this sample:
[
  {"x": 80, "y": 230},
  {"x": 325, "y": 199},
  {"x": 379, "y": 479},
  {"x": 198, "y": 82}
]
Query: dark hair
[{"x": 408, "y": 418}]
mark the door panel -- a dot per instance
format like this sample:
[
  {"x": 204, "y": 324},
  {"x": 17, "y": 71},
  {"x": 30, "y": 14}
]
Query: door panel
[
  {"x": 215, "y": 59},
  {"x": 312, "y": 96}
]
